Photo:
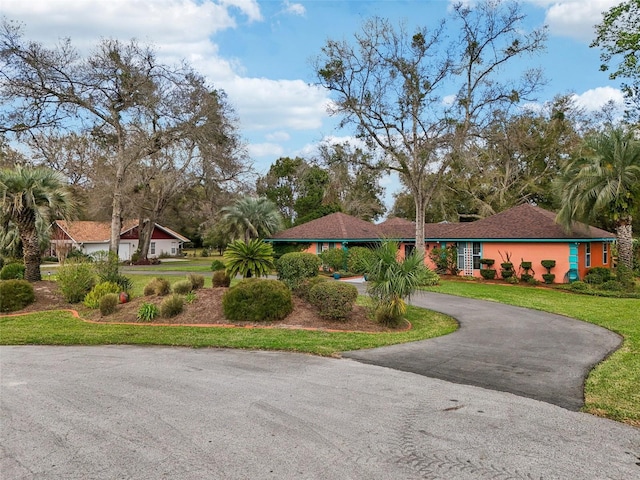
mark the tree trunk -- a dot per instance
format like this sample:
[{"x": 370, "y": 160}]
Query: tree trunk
[
  {"x": 624, "y": 236},
  {"x": 418, "y": 198},
  {"x": 146, "y": 230},
  {"x": 116, "y": 209},
  {"x": 31, "y": 250}
]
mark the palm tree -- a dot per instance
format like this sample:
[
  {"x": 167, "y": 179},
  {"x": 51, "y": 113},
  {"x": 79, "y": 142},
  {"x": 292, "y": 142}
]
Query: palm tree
[
  {"x": 390, "y": 281},
  {"x": 25, "y": 195},
  {"x": 606, "y": 180},
  {"x": 251, "y": 217}
]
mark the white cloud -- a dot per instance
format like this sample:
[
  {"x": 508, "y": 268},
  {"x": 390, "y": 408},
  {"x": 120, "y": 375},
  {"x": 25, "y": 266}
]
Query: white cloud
[
  {"x": 448, "y": 100},
  {"x": 293, "y": 8},
  {"x": 594, "y": 99},
  {"x": 249, "y": 7},
  {"x": 265, "y": 104},
  {"x": 278, "y": 136},
  {"x": 574, "y": 18},
  {"x": 257, "y": 150}
]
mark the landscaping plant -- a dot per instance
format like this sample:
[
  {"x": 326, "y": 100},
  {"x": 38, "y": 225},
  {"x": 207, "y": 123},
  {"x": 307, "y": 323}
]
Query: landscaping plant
[
  {"x": 158, "y": 286},
  {"x": 12, "y": 271},
  {"x": 147, "y": 312},
  {"x": 333, "y": 300},
  {"x": 92, "y": 299},
  {"x": 197, "y": 281},
  {"x": 171, "y": 306},
  {"x": 182, "y": 287},
  {"x": 108, "y": 303},
  {"x": 15, "y": 295},
  {"x": 257, "y": 300},
  {"x": 220, "y": 279},
  {"x": 249, "y": 259},
  {"x": 75, "y": 279},
  {"x": 293, "y": 268}
]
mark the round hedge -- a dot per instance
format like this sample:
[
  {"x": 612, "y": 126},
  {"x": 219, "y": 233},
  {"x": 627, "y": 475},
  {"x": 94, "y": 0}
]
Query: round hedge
[
  {"x": 220, "y": 279},
  {"x": 12, "y": 271},
  {"x": 257, "y": 300},
  {"x": 15, "y": 295},
  {"x": 304, "y": 287},
  {"x": 294, "y": 267},
  {"x": 333, "y": 299}
]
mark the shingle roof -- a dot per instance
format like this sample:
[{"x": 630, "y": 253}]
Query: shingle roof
[
  {"x": 524, "y": 222},
  {"x": 336, "y": 226},
  {"x": 100, "y": 232}
]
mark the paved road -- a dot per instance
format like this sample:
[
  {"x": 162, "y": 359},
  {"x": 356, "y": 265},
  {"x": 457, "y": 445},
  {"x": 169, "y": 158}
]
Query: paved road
[
  {"x": 530, "y": 353},
  {"x": 140, "y": 413}
]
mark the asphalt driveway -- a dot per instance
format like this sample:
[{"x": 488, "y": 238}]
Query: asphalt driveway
[
  {"x": 510, "y": 349},
  {"x": 122, "y": 412}
]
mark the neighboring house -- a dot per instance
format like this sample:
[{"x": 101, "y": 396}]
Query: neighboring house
[
  {"x": 91, "y": 237},
  {"x": 525, "y": 232}
]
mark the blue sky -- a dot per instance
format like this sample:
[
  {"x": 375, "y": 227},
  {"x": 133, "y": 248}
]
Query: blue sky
[{"x": 258, "y": 51}]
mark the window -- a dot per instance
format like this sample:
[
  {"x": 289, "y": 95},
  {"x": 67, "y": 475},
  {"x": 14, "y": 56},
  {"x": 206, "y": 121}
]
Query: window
[
  {"x": 152, "y": 248},
  {"x": 408, "y": 249},
  {"x": 174, "y": 250},
  {"x": 587, "y": 255},
  {"x": 476, "y": 255},
  {"x": 605, "y": 253}
]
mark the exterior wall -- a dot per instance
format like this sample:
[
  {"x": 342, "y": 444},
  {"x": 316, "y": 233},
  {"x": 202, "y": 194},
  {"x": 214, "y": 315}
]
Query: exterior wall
[
  {"x": 530, "y": 252},
  {"x": 167, "y": 247},
  {"x": 596, "y": 257}
]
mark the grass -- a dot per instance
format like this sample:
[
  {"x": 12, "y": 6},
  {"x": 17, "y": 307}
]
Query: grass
[
  {"x": 613, "y": 387},
  {"x": 61, "y": 328}
]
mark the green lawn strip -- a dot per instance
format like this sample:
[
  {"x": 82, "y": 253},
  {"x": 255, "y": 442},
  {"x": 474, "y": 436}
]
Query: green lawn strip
[
  {"x": 611, "y": 389},
  {"x": 61, "y": 328}
]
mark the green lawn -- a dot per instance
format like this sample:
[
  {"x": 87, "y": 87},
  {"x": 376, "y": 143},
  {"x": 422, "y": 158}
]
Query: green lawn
[
  {"x": 613, "y": 387},
  {"x": 61, "y": 328}
]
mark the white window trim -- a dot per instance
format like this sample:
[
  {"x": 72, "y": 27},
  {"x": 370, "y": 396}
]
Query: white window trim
[
  {"x": 587, "y": 255},
  {"x": 605, "y": 253}
]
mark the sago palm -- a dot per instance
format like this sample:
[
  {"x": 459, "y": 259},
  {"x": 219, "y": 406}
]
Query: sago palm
[
  {"x": 605, "y": 180},
  {"x": 27, "y": 196},
  {"x": 251, "y": 217},
  {"x": 249, "y": 259}
]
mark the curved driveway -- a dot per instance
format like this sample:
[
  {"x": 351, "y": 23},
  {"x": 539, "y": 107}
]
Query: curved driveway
[{"x": 526, "y": 352}]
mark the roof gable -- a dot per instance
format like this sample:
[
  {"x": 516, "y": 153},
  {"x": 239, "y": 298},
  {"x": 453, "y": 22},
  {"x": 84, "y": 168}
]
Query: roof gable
[{"x": 100, "y": 232}]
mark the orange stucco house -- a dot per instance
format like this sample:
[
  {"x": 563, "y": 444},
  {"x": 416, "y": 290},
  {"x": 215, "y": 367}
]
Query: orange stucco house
[{"x": 527, "y": 233}]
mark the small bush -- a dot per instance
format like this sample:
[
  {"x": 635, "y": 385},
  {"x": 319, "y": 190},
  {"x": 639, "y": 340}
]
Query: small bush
[
  {"x": 147, "y": 312},
  {"x": 334, "y": 258},
  {"x": 625, "y": 276},
  {"x": 526, "y": 277},
  {"x": 257, "y": 300},
  {"x": 182, "y": 287},
  {"x": 487, "y": 261},
  {"x": 92, "y": 299},
  {"x": 294, "y": 267},
  {"x": 304, "y": 287},
  {"x": 158, "y": 286},
  {"x": 217, "y": 265},
  {"x": 190, "y": 297},
  {"x": 548, "y": 278},
  {"x": 598, "y": 275},
  {"x": 428, "y": 278},
  {"x": 579, "y": 286},
  {"x": 513, "y": 280},
  {"x": 506, "y": 274},
  {"x": 548, "y": 264},
  {"x": 488, "y": 273},
  {"x": 333, "y": 299},
  {"x": 220, "y": 279},
  {"x": 197, "y": 281},
  {"x": 75, "y": 279},
  {"x": 12, "y": 271},
  {"x": 15, "y": 295},
  {"x": 358, "y": 258},
  {"x": 109, "y": 303},
  {"x": 171, "y": 306},
  {"x": 594, "y": 279},
  {"x": 612, "y": 286}
]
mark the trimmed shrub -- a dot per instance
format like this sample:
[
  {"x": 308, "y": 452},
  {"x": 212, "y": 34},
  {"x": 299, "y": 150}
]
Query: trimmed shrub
[
  {"x": 548, "y": 278},
  {"x": 12, "y": 271},
  {"x": 147, "y": 312},
  {"x": 333, "y": 299},
  {"x": 294, "y": 267},
  {"x": 526, "y": 277},
  {"x": 428, "y": 278},
  {"x": 158, "y": 286},
  {"x": 612, "y": 286},
  {"x": 197, "y": 281},
  {"x": 579, "y": 286},
  {"x": 182, "y": 287},
  {"x": 92, "y": 299},
  {"x": 217, "y": 265},
  {"x": 358, "y": 258},
  {"x": 171, "y": 306},
  {"x": 334, "y": 258},
  {"x": 305, "y": 286},
  {"x": 15, "y": 294},
  {"x": 506, "y": 274},
  {"x": 109, "y": 303},
  {"x": 257, "y": 300},
  {"x": 513, "y": 280},
  {"x": 487, "y": 261},
  {"x": 548, "y": 264},
  {"x": 220, "y": 279},
  {"x": 598, "y": 275},
  {"x": 75, "y": 279},
  {"x": 488, "y": 273}
]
